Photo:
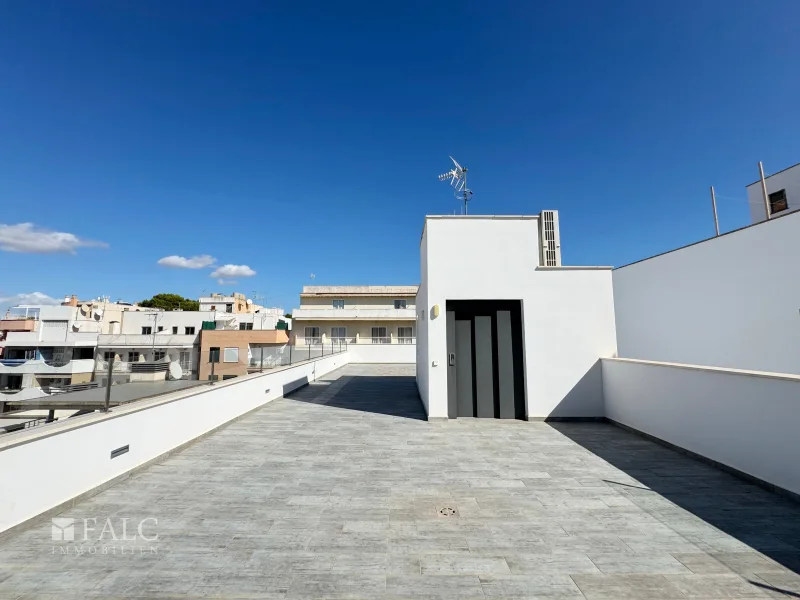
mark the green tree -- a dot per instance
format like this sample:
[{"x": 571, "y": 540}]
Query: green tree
[{"x": 170, "y": 302}]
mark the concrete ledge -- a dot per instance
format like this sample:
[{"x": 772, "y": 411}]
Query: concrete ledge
[
  {"x": 721, "y": 466},
  {"x": 112, "y": 482},
  {"x": 123, "y": 476},
  {"x": 573, "y": 268},
  {"x": 707, "y": 368},
  {"x": 78, "y": 456},
  {"x": 568, "y": 419},
  {"x": 34, "y": 434}
]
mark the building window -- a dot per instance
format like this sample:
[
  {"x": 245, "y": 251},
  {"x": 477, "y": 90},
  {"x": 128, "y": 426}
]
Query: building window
[
  {"x": 213, "y": 355},
  {"x": 229, "y": 308},
  {"x": 338, "y": 304},
  {"x": 231, "y": 355},
  {"x": 379, "y": 335},
  {"x": 158, "y": 355},
  {"x": 160, "y": 328},
  {"x": 405, "y": 335},
  {"x": 189, "y": 330},
  {"x": 778, "y": 202},
  {"x": 338, "y": 334},
  {"x": 14, "y": 382},
  {"x": 312, "y": 335},
  {"x": 224, "y": 377},
  {"x": 147, "y": 331},
  {"x": 82, "y": 353},
  {"x": 245, "y": 326},
  {"x": 107, "y": 356},
  {"x": 133, "y": 357},
  {"x": 213, "y": 307},
  {"x": 175, "y": 330},
  {"x": 400, "y": 303}
]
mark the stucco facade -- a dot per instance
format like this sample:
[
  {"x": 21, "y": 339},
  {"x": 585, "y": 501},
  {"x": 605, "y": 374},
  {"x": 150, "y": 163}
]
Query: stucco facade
[
  {"x": 355, "y": 314},
  {"x": 567, "y": 313},
  {"x": 245, "y": 343}
]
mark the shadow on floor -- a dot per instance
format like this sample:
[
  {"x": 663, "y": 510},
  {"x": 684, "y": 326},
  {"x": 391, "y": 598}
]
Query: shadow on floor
[
  {"x": 761, "y": 519},
  {"x": 396, "y": 396}
]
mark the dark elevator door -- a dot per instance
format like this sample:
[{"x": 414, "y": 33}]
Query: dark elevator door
[{"x": 484, "y": 346}]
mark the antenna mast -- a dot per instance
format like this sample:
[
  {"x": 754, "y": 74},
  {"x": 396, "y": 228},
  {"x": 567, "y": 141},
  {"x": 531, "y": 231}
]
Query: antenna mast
[{"x": 458, "y": 180}]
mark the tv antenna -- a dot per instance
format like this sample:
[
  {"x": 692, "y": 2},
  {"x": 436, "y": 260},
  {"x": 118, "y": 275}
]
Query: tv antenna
[{"x": 458, "y": 180}]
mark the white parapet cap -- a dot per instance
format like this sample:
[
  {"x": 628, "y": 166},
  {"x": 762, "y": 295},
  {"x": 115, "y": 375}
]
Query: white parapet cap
[{"x": 359, "y": 290}]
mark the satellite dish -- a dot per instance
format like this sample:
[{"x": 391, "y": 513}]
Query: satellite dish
[
  {"x": 98, "y": 314},
  {"x": 85, "y": 308},
  {"x": 249, "y": 302},
  {"x": 175, "y": 371}
]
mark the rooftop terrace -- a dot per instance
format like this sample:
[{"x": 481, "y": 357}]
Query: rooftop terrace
[{"x": 343, "y": 490}]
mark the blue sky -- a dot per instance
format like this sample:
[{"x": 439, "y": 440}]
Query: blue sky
[{"x": 297, "y": 139}]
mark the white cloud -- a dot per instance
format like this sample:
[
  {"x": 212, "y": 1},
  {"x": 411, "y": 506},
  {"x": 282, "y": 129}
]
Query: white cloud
[
  {"x": 195, "y": 262},
  {"x": 226, "y": 282},
  {"x": 26, "y": 237},
  {"x": 32, "y": 298},
  {"x": 228, "y": 271}
]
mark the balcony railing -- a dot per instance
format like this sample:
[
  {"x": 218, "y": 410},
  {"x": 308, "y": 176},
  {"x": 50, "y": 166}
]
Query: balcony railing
[
  {"x": 32, "y": 338},
  {"x": 162, "y": 340},
  {"x": 313, "y": 341},
  {"x": 38, "y": 366},
  {"x": 345, "y": 314},
  {"x": 12, "y": 323},
  {"x": 13, "y": 362},
  {"x": 289, "y": 355}
]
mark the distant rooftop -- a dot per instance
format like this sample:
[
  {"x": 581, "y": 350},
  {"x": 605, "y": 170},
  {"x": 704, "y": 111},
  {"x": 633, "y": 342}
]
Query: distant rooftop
[
  {"x": 359, "y": 290},
  {"x": 757, "y": 181}
]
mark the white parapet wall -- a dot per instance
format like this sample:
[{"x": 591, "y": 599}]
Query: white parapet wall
[
  {"x": 746, "y": 420},
  {"x": 382, "y": 353},
  {"x": 723, "y": 302},
  {"x": 46, "y": 467}
]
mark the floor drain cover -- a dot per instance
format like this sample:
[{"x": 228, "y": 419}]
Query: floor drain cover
[{"x": 447, "y": 511}]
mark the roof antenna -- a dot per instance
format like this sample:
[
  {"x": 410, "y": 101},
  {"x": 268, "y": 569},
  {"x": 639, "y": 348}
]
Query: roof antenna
[{"x": 458, "y": 179}]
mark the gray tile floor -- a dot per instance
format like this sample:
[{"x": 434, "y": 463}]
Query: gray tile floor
[{"x": 339, "y": 492}]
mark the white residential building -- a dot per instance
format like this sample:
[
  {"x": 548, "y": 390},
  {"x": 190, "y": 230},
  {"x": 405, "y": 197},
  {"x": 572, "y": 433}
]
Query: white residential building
[
  {"x": 46, "y": 346},
  {"x": 366, "y": 314},
  {"x": 153, "y": 335},
  {"x": 236, "y": 303},
  {"x": 783, "y": 194}
]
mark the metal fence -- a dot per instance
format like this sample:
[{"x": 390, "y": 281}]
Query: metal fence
[{"x": 229, "y": 362}]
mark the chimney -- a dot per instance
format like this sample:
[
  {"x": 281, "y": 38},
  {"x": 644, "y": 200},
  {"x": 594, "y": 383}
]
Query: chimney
[{"x": 73, "y": 301}]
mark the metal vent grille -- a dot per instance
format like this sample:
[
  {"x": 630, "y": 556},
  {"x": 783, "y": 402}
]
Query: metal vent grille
[
  {"x": 551, "y": 255},
  {"x": 119, "y": 451}
]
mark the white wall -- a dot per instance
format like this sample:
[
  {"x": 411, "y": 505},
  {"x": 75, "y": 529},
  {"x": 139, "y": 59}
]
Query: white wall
[
  {"x": 382, "y": 353},
  {"x": 742, "y": 420},
  {"x": 74, "y": 459},
  {"x": 132, "y": 322},
  {"x": 788, "y": 180},
  {"x": 422, "y": 358},
  {"x": 355, "y": 302},
  {"x": 567, "y": 314},
  {"x": 57, "y": 313},
  {"x": 730, "y": 301}
]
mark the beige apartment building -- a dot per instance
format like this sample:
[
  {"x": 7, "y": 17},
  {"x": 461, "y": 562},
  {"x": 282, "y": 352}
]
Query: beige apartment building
[
  {"x": 362, "y": 314},
  {"x": 236, "y": 353}
]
